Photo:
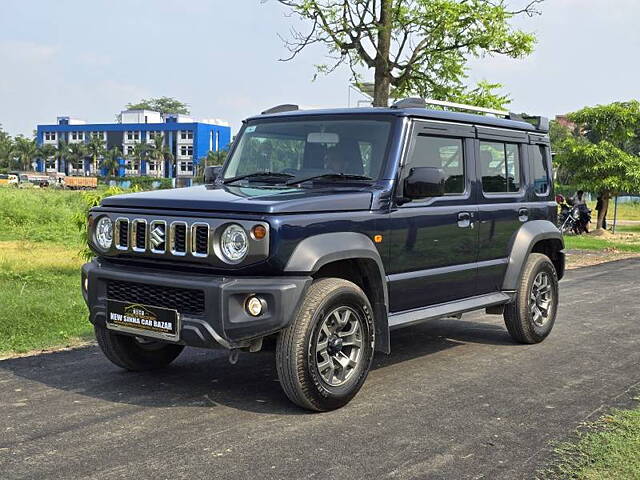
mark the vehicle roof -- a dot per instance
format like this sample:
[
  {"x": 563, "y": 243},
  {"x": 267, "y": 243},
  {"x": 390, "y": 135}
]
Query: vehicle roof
[{"x": 441, "y": 115}]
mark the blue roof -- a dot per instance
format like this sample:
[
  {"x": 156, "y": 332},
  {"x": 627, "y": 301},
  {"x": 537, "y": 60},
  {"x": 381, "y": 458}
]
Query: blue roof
[{"x": 409, "y": 112}]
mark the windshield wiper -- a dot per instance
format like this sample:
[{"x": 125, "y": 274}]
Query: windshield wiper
[
  {"x": 339, "y": 176},
  {"x": 258, "y": 174}
]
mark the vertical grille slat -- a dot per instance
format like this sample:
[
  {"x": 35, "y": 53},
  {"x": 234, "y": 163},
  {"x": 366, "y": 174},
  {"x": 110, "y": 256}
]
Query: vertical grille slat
[
  {"x": 179, "y": 238},
  {"x": 122, "y": 234},
  {"x": 200, "y": 239},
  {"x": 139, "y": 235}
]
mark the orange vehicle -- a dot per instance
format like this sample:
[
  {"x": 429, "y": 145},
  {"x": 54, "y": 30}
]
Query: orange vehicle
[{"x": 80, "y": 183}]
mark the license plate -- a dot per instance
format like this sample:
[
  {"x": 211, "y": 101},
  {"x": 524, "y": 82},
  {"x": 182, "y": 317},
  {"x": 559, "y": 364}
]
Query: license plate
[{"x": 145, "y": 320}]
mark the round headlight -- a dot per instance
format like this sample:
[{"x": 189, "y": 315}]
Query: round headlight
[
  {"x": 104, "y": 233},
  {"x": 234, "y": 243}
]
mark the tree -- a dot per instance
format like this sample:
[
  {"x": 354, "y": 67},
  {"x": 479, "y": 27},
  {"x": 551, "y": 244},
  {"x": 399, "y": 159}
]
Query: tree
[
  {"x": 215, "y": 158},
  {"x": 110, "y": 161},
  {"x": 25, "y": 151},
  {"x": 164, "y": 105},
  {"x": 158, "y": 151},
  {"x": 415, "y": 46},
  {"x": 76, "y": 154},
  {"x": 6, "y": 148},
  {"x": 603, "y": 155},
  {"x": 61, "y": 152},
  {"x": 95, "y": 148},
  {"x": 45, "y": 152}
]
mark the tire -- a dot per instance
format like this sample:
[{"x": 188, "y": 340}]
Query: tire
[
  {"x": 321, "y": 361},
  {"x": 526, "y": 319},
  {"x": 131, "y": 354}
]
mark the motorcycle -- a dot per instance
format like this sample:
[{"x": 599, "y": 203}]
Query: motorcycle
[{"x": 573, "y": 218}]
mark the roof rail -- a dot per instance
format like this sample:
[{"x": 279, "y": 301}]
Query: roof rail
[
  {"x": 416, "y": 102},
  {"x": 285, "y": 107}
]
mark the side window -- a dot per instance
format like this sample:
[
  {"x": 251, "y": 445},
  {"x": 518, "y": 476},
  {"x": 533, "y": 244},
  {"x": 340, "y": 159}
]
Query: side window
[
  {"x": 539, "y": 160},
  {"x": 444, "y": 153},
  {"x": 500, "y": 167}
]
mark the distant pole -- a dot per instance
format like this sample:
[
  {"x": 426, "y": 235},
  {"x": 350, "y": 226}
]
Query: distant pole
[{"x": 615, "y": 214}]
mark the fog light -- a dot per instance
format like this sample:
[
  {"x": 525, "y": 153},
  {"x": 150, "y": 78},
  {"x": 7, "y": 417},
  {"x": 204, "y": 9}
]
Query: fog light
[{"x": 255, "y": 306}]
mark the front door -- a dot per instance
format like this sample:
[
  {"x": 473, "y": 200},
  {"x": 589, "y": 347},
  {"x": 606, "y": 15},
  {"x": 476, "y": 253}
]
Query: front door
[{"x": 434, "y": 241}]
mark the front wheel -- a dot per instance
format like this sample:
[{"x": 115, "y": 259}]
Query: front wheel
[
  {"x": 135, "y": 353},
  {"x": 531, "y": 316},
  {"x": 324, "y": 355}
]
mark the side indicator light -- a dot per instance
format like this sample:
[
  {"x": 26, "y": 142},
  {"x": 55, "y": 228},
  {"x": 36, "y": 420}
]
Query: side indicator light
[{"x": 377, "y": 238}]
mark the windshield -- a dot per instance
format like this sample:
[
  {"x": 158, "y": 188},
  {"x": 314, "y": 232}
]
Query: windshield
[{"x": 303, "y": 148}]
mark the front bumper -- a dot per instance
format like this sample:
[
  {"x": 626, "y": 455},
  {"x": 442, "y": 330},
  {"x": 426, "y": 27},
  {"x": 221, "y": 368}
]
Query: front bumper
[{"x": 222, "y": 320}]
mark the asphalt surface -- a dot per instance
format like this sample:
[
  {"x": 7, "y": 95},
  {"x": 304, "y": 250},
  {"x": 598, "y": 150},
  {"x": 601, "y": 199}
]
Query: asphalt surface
[{"x": 456, "y": 399}]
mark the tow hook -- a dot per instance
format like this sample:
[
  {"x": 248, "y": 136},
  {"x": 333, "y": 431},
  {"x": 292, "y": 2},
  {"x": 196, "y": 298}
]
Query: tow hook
[{"x": 233, "y": 356}]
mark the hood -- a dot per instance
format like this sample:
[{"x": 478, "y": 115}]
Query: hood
[{"x": 243, "y": 199}]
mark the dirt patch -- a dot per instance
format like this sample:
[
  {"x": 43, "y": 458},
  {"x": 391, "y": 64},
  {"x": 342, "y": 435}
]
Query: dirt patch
[{"x": 586, "y": 258}]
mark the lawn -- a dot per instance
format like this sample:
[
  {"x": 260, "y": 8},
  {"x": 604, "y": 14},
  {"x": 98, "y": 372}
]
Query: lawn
[
  {"x": 41, "y": 304},
  {"x": 626, "y": 239},
  {"x": 608, "y": 449}
]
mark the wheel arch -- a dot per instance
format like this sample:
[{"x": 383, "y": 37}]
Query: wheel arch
[
  {"x": 538, "y": 236},
  {"x": 351, "y": 256}
]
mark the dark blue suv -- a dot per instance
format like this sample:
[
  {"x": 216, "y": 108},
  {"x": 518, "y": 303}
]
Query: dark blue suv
[{"x": 328, "y": 229}]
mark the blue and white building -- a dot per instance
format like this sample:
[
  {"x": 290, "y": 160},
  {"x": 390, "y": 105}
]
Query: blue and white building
[{"x": 188, "y": 140}]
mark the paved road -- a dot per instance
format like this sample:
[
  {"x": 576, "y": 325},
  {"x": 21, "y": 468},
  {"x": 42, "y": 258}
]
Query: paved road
[{"x": 456, "y": 400}]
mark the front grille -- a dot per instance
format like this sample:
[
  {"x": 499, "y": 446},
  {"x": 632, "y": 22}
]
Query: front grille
[{"x": 181, "y": 299}]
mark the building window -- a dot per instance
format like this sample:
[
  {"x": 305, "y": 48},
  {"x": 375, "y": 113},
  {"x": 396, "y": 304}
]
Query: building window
[
  {"x": 186, "y": 135},
  {"x": 500, "y": 167},
  {"x": 129, "y": 135},
  {"x": 129, "y": 149},
  {"x": 186, "y": 167},
  {"x": 136, "y": 135},
  {"x": 49, "y": 135}
]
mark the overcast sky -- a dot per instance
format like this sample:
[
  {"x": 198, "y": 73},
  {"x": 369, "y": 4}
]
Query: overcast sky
[{"x": 89, "y": 58}]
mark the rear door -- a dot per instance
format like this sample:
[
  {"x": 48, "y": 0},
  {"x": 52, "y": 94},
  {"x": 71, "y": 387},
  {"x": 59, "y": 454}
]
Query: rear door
[
  {"x": 502, "y": 200},
  {"x": 433, "y": 241}
]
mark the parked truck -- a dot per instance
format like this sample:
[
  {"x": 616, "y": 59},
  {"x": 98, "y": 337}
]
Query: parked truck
[{"x": 80, "y": 183}]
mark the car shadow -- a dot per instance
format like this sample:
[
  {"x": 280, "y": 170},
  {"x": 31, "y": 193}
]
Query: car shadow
[{"x": 204, "y": 378}]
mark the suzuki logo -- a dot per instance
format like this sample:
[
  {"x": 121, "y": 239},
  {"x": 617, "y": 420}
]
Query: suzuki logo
[{"x": 157, "y": 235}]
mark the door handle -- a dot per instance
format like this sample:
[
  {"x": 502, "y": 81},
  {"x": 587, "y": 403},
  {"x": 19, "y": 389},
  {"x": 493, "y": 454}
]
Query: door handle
[
  {"x": 464, "y": 220},
  {"x": 523, "y": 214}
]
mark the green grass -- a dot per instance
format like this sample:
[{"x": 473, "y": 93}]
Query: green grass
[
  {"x": 41, "y": 304},
  {"x": 39, "y": 215},
  {"x": 628, "y": 228},
  {"x": 626, "y": 211},
  {"x": 626, "y": 239},
  {"x": 609, "y": 449}
]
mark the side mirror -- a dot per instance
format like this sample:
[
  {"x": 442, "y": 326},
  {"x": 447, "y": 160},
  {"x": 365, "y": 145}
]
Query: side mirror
[
  {"x": 424, "y": 182},
  {"x": 211, "y": 173}
]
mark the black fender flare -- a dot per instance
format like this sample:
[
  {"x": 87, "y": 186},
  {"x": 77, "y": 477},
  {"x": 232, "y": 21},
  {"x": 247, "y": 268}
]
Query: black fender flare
[
  {"x": 527, "y": 236},
  {"x": 314, "y": 252}
]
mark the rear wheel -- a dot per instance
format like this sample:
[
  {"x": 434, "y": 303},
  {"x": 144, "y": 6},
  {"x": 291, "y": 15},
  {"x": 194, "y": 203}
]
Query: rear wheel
[
  {"x": 531, "y": 316},
  {"x": 325, "y": 354},
  {"x": 136, "y": 353}
]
